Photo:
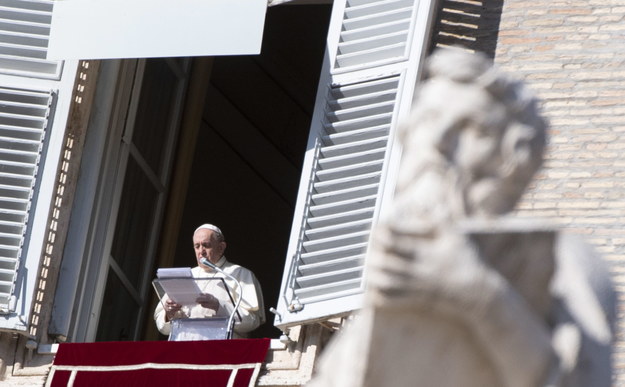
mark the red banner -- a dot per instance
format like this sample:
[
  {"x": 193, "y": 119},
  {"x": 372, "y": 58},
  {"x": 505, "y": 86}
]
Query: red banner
[{"x": 216, "y": 363}]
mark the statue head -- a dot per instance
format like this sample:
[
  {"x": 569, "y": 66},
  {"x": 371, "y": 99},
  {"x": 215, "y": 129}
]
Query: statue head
[{"x": 480, "y": 127}]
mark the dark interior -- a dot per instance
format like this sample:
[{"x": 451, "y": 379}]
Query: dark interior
[{"x": 249, "y": 151}]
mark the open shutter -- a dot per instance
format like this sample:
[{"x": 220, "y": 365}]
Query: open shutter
[
  {"x": 35, "y": 95},
  {"x": 23, "y": 120},
  {"x": 24, "y": 34},
  {"x": 373, "y": 57}
]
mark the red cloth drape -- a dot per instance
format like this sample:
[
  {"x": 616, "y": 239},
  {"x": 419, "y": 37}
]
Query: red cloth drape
[{"x": 212, "y": 363}]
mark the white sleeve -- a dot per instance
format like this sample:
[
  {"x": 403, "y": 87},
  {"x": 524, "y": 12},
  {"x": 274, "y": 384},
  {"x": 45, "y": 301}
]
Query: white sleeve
[
  {"x": 159, "y": 317},
  {"x": 252, "y": 309}
]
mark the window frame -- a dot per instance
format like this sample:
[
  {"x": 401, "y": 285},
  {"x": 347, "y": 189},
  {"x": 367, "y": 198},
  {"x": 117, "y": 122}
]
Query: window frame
[{"x": 87, "y": 252}]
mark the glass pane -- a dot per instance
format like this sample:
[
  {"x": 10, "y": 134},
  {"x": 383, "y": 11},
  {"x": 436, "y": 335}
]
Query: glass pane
[
  {"x": 154, "y": 113},
  {"x": 118, "y": 316},
  {"x": 132, "y": 233}
]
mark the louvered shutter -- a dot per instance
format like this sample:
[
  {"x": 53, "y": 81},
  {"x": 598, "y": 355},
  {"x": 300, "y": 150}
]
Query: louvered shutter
[
  {"x": 23, "y": 120},
  {"x": 24, "y": 33},
  {"x": 35, "y": 95},
  {"x": 366, "y": 87}
]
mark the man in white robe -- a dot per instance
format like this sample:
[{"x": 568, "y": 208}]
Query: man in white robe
[{"x": 209, "y": 243}]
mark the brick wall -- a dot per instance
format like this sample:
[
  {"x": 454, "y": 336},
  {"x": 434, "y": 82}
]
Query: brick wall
[{"x": 572, "y": 54}]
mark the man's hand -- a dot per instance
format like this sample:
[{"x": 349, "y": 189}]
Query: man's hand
[
  {"x": 171, "y": 308},
  {"x": 208, "y": 301}
]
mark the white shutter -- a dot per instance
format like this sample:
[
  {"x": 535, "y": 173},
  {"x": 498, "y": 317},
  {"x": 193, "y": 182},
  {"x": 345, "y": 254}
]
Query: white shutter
[
  {"x": 375, "y": 32},
  {"x": 349, "y": 163},
  {"x": 23, "y": 120},
  {"x": 24, "y": 34},
  {"x": 35, "y": 95},
  {"x": 374, "y": 54}
]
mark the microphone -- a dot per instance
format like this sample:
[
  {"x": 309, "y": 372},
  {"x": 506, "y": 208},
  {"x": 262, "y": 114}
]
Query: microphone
[{"x": 204, "y": 261}]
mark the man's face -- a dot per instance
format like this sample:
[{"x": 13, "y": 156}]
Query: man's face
[{"x": 206, "y": 245}]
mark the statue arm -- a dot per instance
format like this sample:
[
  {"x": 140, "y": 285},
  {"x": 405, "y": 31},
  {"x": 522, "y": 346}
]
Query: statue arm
[{"x": 444, "y": 273}]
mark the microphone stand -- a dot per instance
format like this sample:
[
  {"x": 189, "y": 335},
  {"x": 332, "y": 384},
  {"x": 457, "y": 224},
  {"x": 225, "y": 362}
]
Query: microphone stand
[{"x": 208, "y": 263}]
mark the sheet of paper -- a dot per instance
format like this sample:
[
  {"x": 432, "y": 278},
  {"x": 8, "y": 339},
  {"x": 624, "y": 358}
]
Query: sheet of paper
[
  {"x": 178, "y": 284},
  {"x": 182, "y": 291},
  {"x": 169, "y": 272}
]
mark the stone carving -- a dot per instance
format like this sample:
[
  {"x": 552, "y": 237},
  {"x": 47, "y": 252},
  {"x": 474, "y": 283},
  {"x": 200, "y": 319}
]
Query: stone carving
[{"x": 456, "y": 294}]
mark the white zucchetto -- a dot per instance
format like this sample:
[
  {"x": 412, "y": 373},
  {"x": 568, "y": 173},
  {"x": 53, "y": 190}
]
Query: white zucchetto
[{"x": 209, "y": 226}]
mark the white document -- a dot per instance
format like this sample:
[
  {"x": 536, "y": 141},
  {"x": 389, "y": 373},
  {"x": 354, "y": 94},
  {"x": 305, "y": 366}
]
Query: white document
[
  {"x": 168, "y": 272},
  {"x": 179, "y": 285}
]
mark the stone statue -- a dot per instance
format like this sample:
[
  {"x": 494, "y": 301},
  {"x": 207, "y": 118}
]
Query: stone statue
[{"x": 456, "y": 294}]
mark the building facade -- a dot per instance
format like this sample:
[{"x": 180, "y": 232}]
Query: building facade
[{"x": 108, "y": 166}]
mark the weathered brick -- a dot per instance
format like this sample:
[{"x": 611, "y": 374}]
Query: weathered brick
[
  {"x": 561, "y": 103},
  {"x": 590, "y": 220},
  {"x": 569, "y": 121},
  {"x": 582, "y": 75},
  {"x": 582, "y": 19},
  {"x": 593, "y": 195},
  {"x": 592, "y": 112},
  {"x": 600, "y": 11},
  {"x": 557, "y": 174},
  {"x": 608, "y": 155},
  {"x": 564, "y": 85},
  {"x": 597, "y": 184},
  {"x": 570, "y": 11},
  {"x": 569, "y": 46},
  {"x": 580, "y": 174},
  {"x": 599, "y": 36},
  {"x": 611, "y": 93},
  {"x": 606, "y": 102},
  {"x": 596, "y": 147},
  {"x": 543, "y": 206},
  {"x": 573, "y": 56},
  {"x": 589, "y": 29},
  {"x": 579, "y": 212},
  {"x": 611, "y": 19},
  {"x": 580, "y": 230},
  {"x": 547, "y": 195},
  {"x": 595, "y": 138},
  {"x": 612, "y": 27},
  {"x": 579, "y": 204}
]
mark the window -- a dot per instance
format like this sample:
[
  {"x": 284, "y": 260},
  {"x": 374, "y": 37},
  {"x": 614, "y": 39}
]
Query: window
[
  {"x": 248, "y": 151},
  {"x": 132, "y": 165}
]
